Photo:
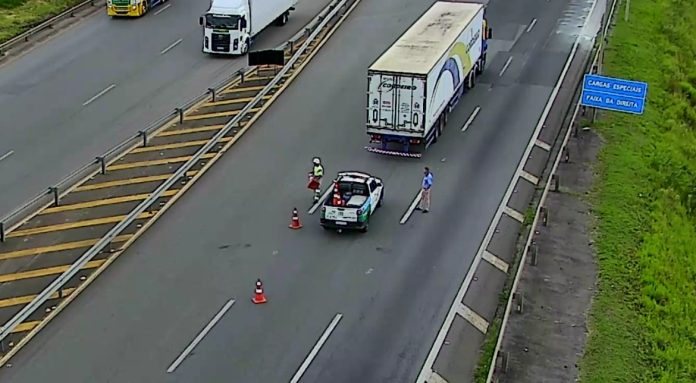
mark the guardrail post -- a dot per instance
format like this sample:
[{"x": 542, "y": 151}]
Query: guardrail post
[
  {"x": 143, "y": 134},
  {"x": 180, "y": 111},
  {"x": 534, "y": 252},
  {"x": 519, "y": 303},
  {"x": 544, "y": 216},
  {"x": 102, "y": 164},
  {"x": 212, "y": 93},
  {"x": 2, "y": 231},
  {"x": 54, "y": 190},
  {"x": 502, "y": 358},
  {"x": 555, "y": 181},
  {"x": 292, "y": 47},
  {"x": 566, "y": 155}
]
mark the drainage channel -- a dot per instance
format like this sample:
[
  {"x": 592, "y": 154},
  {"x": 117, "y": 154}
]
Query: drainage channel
[{"x": 38, "y": 251}]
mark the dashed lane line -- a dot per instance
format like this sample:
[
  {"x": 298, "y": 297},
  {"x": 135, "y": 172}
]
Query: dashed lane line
[
  {"x": 103, "y": 202},
  {"x": 46, "y": 271},
  {"x": 72, "y": 225},
  {"x": 59, "y": 247}
]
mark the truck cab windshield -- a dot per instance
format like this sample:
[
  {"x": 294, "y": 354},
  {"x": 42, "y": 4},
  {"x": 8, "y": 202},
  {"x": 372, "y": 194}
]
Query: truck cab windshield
[{"x": 222, "y": 21}]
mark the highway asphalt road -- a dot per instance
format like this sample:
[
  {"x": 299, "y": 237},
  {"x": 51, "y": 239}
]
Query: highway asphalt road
[
  {"x": 393, "y": 285},
  {"x": 46, "y": 130}
]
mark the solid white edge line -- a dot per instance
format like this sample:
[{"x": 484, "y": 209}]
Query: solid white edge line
[
  {"x": 411, "y": 208},
  {"x": 505, "y": 67},
  {"x": 315, "y": 350},
  {"x": 321, "y": 201},
  {"x": 471, "y": 118},
  {"x": 108, "y": 88},
  {"x": 163, "y": 9},
  {"x": 170, "y": 47},
  {"x": 200, "y": 336},
  {"x": 4, "y": 156},
  {"x": 531, "y": 25},
  {"x": 439, "y": 340}
]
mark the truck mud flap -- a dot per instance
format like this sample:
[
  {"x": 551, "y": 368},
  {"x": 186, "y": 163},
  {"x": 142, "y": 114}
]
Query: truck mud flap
[{"x": 393, "y": 152}]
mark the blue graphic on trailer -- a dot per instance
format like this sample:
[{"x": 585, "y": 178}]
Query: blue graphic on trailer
[{"x": 613, "y": 94}]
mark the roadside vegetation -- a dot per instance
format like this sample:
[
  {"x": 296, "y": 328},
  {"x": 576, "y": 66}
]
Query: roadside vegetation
[
  {"x": 643, "y": 319},
  {"x": 16, "y": 16}
]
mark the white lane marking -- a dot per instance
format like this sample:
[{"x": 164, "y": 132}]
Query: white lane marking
[
  {"x": 369, "y": 271},
  {"x": 529, "y": 177},
  {"x": 542, "y": 145},
  {"x": 112, "y": 86},
  {"x": 200, "y": 336},
  {"x": 531, "y": 25},
  {"x": 172, "y": 45},
  {"x": 514, "y": 214},
  {"x": 507, "y": 64},
  {"x": 163, "y": 9},
  {"x": 495, "y": 261},
  {"x": 471, "y": 118},
  {"x": 321, "y": 201},
  {"x": 473, "y": 317},
  {"x": 411, "y": 207},
  {"x": 316, "y": 348},
  {"x": 4, "y": 156},
  {"x": 447, "y": 323},
  {"x": 436, "y": 378}
]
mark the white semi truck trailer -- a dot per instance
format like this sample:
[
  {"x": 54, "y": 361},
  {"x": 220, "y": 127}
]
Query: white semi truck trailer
[
  {"x": 413, "y": 86},
  {"x": 229, "y": 26}
]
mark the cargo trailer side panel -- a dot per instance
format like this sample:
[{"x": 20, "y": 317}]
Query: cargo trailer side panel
[
  {"x": 450, "y": 72},
  {"x": 264, "y": 12}
]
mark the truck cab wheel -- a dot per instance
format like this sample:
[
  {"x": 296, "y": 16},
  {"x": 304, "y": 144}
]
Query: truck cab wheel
[
  {"x": 367, "y": 224},
  {"x": 282, "y": 19}
]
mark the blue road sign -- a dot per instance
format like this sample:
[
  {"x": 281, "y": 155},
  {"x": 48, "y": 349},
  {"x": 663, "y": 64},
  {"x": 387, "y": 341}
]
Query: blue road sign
[{"x": 613, "y": 94}]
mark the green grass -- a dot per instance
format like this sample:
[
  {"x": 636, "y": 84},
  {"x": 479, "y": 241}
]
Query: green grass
[
  {"x": 643, "y": 320},
  {"x": 16, "y": 16}
]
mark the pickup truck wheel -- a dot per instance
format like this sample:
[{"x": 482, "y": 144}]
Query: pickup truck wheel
[
  {"x": 367, "y": 224},
  {"x": 381, "y": 199}
]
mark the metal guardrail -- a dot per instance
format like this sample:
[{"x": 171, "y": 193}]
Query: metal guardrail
[
  {"x": 48, "y": 24},
  {"x": 593, "y": 65},
  {"x": 52, "y": 194},
  {"x": 317, "y": 26}
]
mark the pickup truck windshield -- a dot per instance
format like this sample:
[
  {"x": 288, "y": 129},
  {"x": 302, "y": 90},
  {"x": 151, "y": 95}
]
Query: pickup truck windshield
[{"x": 222, "y": 21}]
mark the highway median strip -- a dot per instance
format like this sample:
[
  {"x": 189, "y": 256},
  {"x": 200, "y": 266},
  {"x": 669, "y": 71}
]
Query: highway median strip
[
  {"x": 56, "y": 248},
  {"x": 103, "y": 202},
  {"x": 46, "y": 271},
  {"x": 72, "y": 225}
]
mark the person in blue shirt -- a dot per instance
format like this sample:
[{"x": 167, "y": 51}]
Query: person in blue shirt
[{"x": 425, "y": 192}]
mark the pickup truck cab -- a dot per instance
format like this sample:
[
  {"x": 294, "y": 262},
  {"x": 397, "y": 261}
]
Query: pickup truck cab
[{"x": 354, "y": 198}]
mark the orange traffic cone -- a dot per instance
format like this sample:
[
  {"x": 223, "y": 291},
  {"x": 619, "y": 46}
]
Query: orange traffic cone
[
  {"x": 259, "y": 296},
  {"x": 295, "y": 222}
]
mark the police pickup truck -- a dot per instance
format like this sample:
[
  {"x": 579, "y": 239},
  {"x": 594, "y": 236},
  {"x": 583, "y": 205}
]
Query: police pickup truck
[{"x": 355, "y": 196}]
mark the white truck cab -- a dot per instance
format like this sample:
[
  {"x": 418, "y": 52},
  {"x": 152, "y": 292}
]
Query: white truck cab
[{"x": 229, "y": 26}]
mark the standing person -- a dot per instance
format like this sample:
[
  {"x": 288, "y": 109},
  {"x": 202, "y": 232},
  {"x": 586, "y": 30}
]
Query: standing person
[
  {"x": 316, "y": 174},
  {"x": 426, "y": 184}
]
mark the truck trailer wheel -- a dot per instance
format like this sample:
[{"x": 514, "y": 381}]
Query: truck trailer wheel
[{"x": 282, "y": 19}]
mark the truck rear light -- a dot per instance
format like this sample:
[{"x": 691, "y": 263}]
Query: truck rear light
[
  {"x": 359, "y": 212},
  {"x": 415, "y": 141}
]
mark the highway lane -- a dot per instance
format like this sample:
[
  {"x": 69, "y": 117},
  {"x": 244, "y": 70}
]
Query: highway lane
[
  {"x": 393, "y": 285},
  {"x": 116, "y": 67}
]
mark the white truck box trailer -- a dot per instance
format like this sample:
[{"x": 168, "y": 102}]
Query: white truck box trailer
[
  {"x": 229, "y": 26},
  {"x": 413, "y": 85}
]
